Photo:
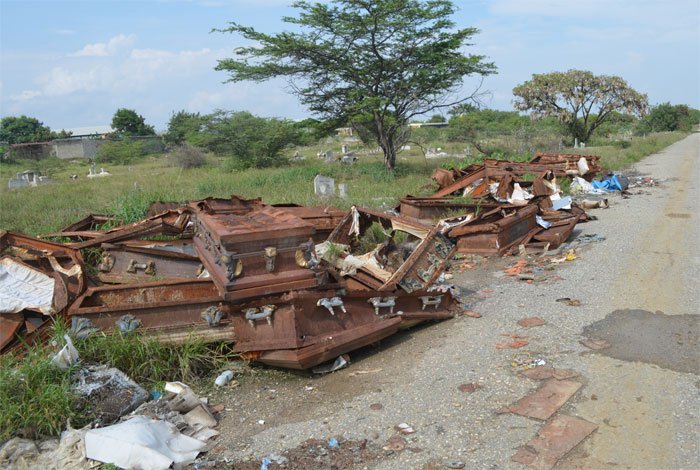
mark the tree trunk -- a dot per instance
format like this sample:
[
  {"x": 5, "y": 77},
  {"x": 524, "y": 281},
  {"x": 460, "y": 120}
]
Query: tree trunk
[{"x": 386, "y": 141}]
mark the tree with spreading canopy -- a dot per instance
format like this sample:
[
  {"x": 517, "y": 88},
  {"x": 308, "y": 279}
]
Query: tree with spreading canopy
[
  {"x": 129, "y": 122},
  {"x": 580, "y": 100},
  {"x": 23, "y": 129},
  {"x": 372, "y": 64}
]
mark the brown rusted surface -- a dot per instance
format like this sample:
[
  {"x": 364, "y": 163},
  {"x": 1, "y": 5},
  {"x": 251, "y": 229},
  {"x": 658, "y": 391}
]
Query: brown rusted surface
[
  {"x": 545, "y": 401},
  {"x": 556, "y": 439},
  {"x": 168, "y": 223},
  {"x": 567, "y": 163},
  {"x": 331, "y": 346},
  {"x": 300, "y": 319},
  {"x": 495, "y": 231},
  {"x": 158, "y": 305},
  {"x": 10, "y": 324},
  {"x": 430, "y": 253},
  {"x": 129, "y": 264},
  {"x": 429, "y": 209},
  {"x": 89, "y": 227},
  {"x": 323, "y": 218}
]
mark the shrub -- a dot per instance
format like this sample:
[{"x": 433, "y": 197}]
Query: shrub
[
  {"x": 187, "y": 156},
  {"x": 119, "y": 152}
]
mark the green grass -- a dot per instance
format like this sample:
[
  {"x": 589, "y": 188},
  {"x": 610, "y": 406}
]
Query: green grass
[
  {"x": 36, "y": 399},
  {"x": 615, "y": 157},
  {"x": 130, "y": 189}
]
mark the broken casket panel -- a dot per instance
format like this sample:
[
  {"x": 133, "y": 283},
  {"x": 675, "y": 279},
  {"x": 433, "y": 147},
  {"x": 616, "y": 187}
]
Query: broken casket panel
[
  {"x": 323, "y": 218},
  {"x": 568, "y": 163},
  {"x": 254, "y": 254},
  {"x": 304, "y": 318},
  {"x": 173, "y": 222},
  {"x": 419, "y": 271},
  {"x": 128, "y": 264},
  {"x": 428, "y": 209},
  {"x": 164, "y": 308},
  {"x": 494, "y": 233}
]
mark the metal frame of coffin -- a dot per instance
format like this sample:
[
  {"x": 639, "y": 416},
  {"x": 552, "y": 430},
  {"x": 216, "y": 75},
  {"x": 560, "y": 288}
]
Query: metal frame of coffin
[
  {"x": 254, "y": 254},
  {"x": 419, "y": 271},
  {"x": 563, "y": 224},
  {"x": 87, "y": 227},
  {"x": 172, "y": 222},
  {"x": 323, "y": 218},
  {"x": 122, "y": 264},
  {"x": 567, "y": 163},
  {"x": 493, "y": 233},
  {"x": 315, "y": 335},
  {"x": 428, "y": 209},
  {"x": 304, "y": 318},
  {"x": 171, "y": 310}
]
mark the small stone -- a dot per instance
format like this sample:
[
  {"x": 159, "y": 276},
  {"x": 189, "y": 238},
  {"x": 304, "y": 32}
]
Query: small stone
[
  {"x": 376, "y": 406},
  {"x": 469, "y": 388},
  {"x": 531, "y": 322}
]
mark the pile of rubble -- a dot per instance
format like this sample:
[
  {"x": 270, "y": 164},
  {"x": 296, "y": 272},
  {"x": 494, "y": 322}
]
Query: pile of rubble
[{"x": 289, "y": 286}]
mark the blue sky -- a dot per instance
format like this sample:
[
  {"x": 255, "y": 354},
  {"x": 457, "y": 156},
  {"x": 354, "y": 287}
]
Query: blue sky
[{"x": 73, "y": 63}]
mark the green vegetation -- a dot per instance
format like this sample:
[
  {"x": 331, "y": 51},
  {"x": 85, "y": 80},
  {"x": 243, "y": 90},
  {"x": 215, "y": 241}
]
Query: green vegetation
[
  {"x": 667, "y": 118},
  {"x": 23, "y": 129},
  {"x": 119, "y": 152},
  {"x": 36, "y": 398},
  {"x": 127, "y": 122},
  {"x": 372, "y": 65},
  {"x": 581, "y": 101}
]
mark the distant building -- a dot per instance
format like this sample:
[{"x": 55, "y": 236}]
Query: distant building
[
  {"x": 82, "y": 143},
  {"x": 416, "y": 125}
]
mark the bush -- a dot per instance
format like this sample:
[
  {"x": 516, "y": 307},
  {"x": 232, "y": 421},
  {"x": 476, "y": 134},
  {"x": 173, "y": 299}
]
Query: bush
[
  {"x": 119, "y": 152},
  {"x": 187, "y": 156}
]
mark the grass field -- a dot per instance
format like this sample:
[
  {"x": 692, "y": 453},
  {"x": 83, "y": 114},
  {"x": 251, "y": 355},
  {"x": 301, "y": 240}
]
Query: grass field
[{"x": 130, "y": 189}]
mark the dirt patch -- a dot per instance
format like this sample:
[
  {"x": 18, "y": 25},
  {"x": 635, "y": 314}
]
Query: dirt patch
[
  {"x": 669, "y": 341},
  {"x": 315, "y": 453}
]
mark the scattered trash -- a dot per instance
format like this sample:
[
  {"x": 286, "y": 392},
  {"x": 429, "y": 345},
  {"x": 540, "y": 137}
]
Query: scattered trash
[
  {"x": 589, "y": 238},
  {"x": 612, "y": 182},
  {"x": 404, "y": 428},
  {"x": 224, "y": 378},
  {"x": 67, "y": 356},
  {"x": 517, "y": 342},
  {"x": 455, "y": 464},
  {"x": 545, "y": 401},
  {"x": 554, "y": 441},
  {"x": 396, "y": 443},
  {"x": 531, "y": 322},
  {"x": 469, "y": 388},
  {"x": 341, "y": 362},
  {"x": 333, "y": 443},
  {"x": 142, "y": 443},
  {"x": 523, "y": 360}
]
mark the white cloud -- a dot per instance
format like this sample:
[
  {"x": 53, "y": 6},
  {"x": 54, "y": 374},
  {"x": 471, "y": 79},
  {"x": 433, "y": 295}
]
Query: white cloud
[{"x": 103, "y": 49}]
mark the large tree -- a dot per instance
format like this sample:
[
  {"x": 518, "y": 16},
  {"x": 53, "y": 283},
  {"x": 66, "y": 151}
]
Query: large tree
[
  {"x": 580, "y": 100},
  {"x": 369, "y": 63},
  {"x": 129, "y": 122},
  {"x": 23, "y": 129}
]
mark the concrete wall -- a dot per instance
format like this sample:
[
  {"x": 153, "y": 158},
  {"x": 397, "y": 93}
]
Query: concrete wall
[{"x": 76, "y": 148}]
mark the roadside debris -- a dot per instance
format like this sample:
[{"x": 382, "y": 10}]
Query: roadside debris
[
  {"x": 554, "y": 441},
  {"x": 531, "y": 322},
  {"x": 595, "y": 344},
  {"x": 545, "y": 401}
]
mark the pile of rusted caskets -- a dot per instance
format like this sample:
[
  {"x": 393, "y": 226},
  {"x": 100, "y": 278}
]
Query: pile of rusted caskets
[
  {"x": 285, "y": 284},
  {"x": 495, "y": 207},
  {"x": 288, "y": 286}
]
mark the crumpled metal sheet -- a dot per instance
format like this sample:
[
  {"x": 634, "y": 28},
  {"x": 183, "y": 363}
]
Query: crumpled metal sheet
[{"x": 23, "y": 287}]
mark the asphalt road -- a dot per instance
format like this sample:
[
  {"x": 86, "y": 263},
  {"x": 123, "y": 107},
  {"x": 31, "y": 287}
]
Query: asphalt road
[{"x": 638, "y": 289}]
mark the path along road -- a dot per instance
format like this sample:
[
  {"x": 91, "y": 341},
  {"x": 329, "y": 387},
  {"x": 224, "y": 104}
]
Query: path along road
[{"x": 638, "y": 289}]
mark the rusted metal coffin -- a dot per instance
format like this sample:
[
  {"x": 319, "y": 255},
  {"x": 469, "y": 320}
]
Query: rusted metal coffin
[
  {"x": 257, "y": 253},
  {"x": 148, "y": 262},
  {"x": 327, "y": 325},
  {"x": 429, "y": 209},
  {"x": 324, "y": 219},
  {"x": 304, "y": 318},
  {"x": 172, "y": 310},
  {"x": 419, "y": 271},
  {"x": 496, "y": 231}
]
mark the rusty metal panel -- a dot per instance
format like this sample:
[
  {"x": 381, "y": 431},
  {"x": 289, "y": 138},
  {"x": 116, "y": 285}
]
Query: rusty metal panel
[
  {"x": 173, "y": 222},
  {"x": 323, "y": 218},
  {"x": 418, "y": 271},
  {"x": 155, "y": 307},
  {"x": 129, "y": 264},
  {"x": 430, "y": 209},
  {"x": 495, "y": 233}
]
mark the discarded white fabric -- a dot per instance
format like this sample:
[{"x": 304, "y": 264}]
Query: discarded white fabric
[
  {"x": 355, "y": 226},
  {"x": 519, "y": 196},
  {"x": 67, "y": 356},
  {"x": 23, "y": 287},
  {"x": 141, "y": 443},
  {"x": 582, "y": 166}
]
